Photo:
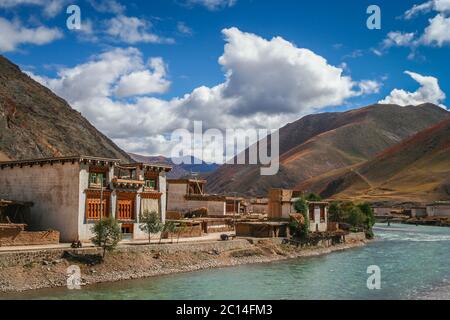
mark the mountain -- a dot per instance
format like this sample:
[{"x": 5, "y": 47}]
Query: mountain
[
  {"x": 325, "y": 143},
  {"x": 416, "y": 169},
  {"x": 35, "y": 123},
  {"x": 179, "y": 171}
]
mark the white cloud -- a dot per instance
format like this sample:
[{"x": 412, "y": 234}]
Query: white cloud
[
  {"x": 399, "y": 39},
  {"x": 267, "y": 84},
  {"x": 107, "y": 6},
  {"x": 429, "y": 92},
  {"x": 51, "y": 7},
  {"x": 133, "y": 30},
  {"x": 438, "y": 32},
  {"x": 184, "y": 29},
  {"x": 15, "y": 34},
  {"x": 213, "y": 4},
  {"x": 144, "y": 82},
  {"x": 369, "y": 86},
  {"x": 436, "y": 5}
]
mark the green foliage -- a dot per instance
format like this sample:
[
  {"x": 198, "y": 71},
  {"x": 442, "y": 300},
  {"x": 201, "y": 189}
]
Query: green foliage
[
  {"x": 150, "y": 223},
  {"x": 170, "y": 228},
  {"x": 356, "y": 217},
  {"x": 370, "y": 219},
  {"x": 107, "y": 234},
  {"x": 301, "y": 206},
  {"x": 314, "y": 197},
  {"x": 182, "y": 228},
  {"x": 335, "y": 213},
  {"x": 297, "y": 230}
]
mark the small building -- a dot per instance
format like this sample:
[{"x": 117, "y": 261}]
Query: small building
[
  {"x": 281, "y": 206},
  {"x": 438, "y": 209},
  {"x": 70, "y": 194},
  {"x": 258, "y": 206},
  {"x": 382, "y": 210},
  {"x": 186, "y": 195},
  {"x": 262, "y": 229},
  {"x": 418, "y": 212}
]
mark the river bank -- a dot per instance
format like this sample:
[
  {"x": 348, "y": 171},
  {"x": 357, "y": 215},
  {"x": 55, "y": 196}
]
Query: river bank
[{"x": 23, "y": 271}]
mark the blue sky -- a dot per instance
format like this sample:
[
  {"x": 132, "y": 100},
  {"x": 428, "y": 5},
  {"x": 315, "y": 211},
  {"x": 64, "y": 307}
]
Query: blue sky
[{"x": 176, "y": 45}]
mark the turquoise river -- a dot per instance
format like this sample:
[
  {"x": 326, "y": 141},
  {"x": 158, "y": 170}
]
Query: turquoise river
[{"x": 414, "y": 262}]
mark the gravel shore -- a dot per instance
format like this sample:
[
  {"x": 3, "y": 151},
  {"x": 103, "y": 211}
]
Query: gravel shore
[{"x": 148, "y": 261}]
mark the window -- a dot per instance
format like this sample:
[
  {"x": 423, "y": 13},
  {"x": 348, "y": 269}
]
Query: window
[
  {"x": 96, "y": 180},
  {"x": 151, "y": 183}
]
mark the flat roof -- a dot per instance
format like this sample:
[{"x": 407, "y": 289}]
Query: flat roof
[
  {"x": 165, "y": 167},
  {"x": 180, "y": 181},
  {"x": 42, "y": 161}
]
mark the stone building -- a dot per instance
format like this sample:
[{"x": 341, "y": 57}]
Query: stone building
[
  {"x": 185, "y": 195},
  {"x": 281, "y": 206},
  {"x": 71, "y": 193},
  {"x": 438, "y": 209}
]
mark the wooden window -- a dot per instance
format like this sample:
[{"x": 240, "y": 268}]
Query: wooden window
[
  {"x": 311, "y": 213},
  {"x": 94, "y": 208},
  {"x": 322, "y": 213},
  {"x": 96, "y": 179},
  {"x": 151, "y": 183},
  {"x": 126, "y": 206}
]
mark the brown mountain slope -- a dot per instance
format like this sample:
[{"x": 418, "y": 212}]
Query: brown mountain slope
[
  {"x": 35, "y": 123},
  {"x": 417, "y": 169},
  {"x": 321, "y": 143}
]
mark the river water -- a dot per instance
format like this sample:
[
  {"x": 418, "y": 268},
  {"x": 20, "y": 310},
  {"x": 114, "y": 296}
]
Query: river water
[{"x": 414, "y": 263}]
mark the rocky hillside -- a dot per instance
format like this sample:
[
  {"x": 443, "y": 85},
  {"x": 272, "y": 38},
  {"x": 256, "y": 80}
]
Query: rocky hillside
[
  {"x": 324, "y": 143},
  {"x": 35, "y": 123},
  {"x": 417, "y": 169}
]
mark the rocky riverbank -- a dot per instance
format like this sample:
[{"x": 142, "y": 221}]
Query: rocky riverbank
[{"x": 24, "y": 271}]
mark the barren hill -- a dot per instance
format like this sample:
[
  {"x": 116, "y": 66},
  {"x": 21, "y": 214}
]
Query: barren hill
[
  {"x": 323, "y": 143},
  {"x": 35, "y": 123},
  {"x": 416, "y": 169}
]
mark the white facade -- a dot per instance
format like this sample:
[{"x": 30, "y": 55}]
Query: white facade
[
  {"x": 59, "y": 189},
  {"x": 438, "y": 210}
]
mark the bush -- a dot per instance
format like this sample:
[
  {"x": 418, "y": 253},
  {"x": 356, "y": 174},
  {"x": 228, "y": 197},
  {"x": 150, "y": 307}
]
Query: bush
[
  {"x": 300, "y": 230},
  {"x": 150, "y": 223},
  {"x": 107, "y": 234}
]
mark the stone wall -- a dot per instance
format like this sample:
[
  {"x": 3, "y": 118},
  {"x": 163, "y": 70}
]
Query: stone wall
[
  {"x": 21, "y": 258},
  {"x": 17, "y": 237}
]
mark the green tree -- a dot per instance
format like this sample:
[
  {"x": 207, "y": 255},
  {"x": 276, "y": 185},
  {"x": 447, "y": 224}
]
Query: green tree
[
  {"x": 170, "y": 228},
  {"x": 107, "y": 235},
  {"x": 356, "y": 218},
  {"x": 370, "y": 218},
  {"x": 335, "y": 212},
  {"x": 301, "y": 206},
  {"x": 314, "y": 197},
  {"x": 150, "y": 223},
  {"x": 182, "y": 228}
]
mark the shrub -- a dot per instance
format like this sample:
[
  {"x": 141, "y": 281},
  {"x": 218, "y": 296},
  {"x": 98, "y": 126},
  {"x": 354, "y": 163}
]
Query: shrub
[
  {"x": 150, "y": 223},
  {"x": 107, "y": 235}
]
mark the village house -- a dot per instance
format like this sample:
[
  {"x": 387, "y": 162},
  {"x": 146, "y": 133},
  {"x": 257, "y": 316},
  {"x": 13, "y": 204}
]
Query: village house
[
  {"x": 281, "y": 206},
  {"x": 70, "y": 194},
  {"x": 258, "y": 206},
  {"x": 187, "y": 195},
  {"x": 438, "y": 209}
]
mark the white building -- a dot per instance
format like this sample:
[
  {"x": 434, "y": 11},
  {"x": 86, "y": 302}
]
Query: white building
[
  {"x": 439, "y": 209},
  {"x": 70, "y": 194},
  {"x": 281, "y": 206}
]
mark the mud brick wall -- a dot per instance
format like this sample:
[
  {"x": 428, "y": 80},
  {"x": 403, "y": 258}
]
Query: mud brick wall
[{"x": 15, "y": 236}]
